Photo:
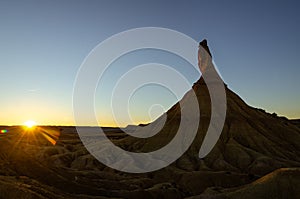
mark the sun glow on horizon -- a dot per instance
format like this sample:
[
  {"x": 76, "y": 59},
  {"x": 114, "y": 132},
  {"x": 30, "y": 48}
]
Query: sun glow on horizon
[{"x": 30, "y": 124}]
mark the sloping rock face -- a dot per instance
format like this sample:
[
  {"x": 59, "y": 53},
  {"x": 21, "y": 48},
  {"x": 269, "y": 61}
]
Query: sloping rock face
[
  {"x": 256, "y": 156},
  {"x": 252, "y": 141}
]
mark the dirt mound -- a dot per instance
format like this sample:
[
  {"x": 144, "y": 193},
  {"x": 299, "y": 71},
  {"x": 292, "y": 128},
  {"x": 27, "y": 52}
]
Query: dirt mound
[{"x": 279, "y": 184}]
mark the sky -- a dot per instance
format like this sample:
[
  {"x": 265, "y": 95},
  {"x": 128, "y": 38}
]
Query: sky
[{"x": 255, "y": 46}]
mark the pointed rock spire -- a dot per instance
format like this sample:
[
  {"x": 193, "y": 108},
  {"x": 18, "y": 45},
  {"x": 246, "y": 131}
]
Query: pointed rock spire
[
  {"x": 204, "y": 45},
  {"x": 204, "y": 57}
]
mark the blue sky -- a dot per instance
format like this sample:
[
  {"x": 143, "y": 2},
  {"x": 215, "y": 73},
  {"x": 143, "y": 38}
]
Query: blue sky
[{"x": 255, "y": 45}]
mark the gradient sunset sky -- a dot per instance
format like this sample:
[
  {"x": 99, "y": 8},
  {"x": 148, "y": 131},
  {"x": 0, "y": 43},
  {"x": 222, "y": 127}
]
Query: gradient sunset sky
[{"x": 255, "y": 45}]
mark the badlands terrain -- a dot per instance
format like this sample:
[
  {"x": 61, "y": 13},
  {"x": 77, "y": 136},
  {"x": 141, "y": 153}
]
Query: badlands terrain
[{"x": 256, "y": 156}]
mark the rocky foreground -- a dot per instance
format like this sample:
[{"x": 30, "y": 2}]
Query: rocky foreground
[{"x": 31, "y": 167}]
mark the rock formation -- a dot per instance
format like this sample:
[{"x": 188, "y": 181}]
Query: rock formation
[{"x": 256, "y": 156}]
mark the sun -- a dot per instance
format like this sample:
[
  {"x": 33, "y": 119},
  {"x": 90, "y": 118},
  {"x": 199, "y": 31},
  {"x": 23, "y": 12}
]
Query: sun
[{"x": 30, "y": 124}]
